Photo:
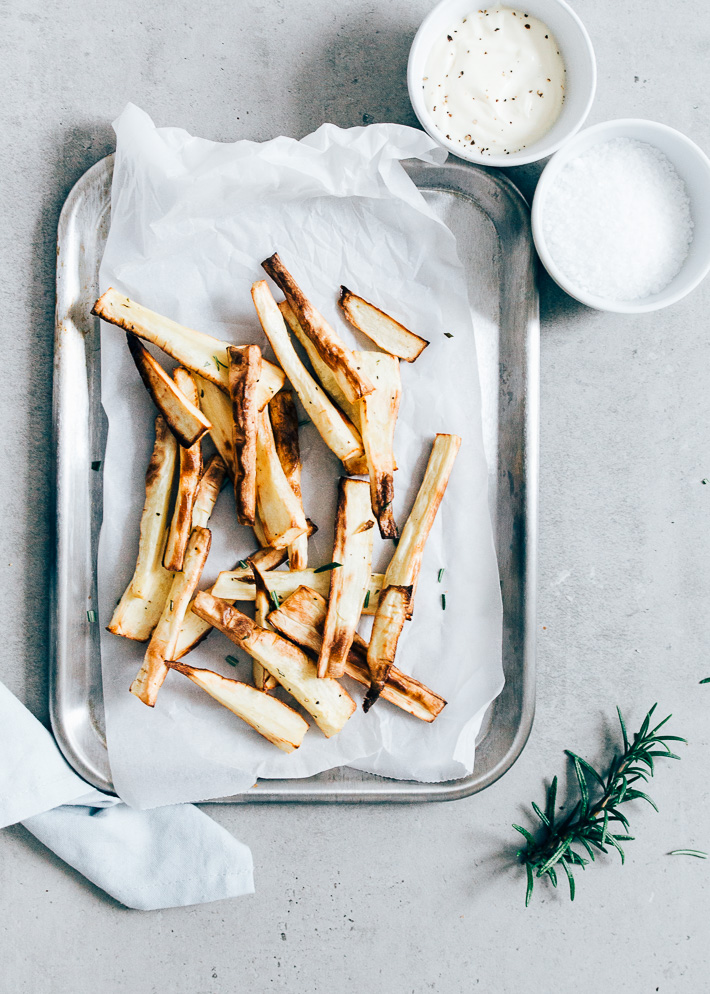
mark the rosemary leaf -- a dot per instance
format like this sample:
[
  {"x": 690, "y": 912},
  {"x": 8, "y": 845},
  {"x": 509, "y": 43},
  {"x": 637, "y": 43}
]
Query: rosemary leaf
[
  {"x": 595, "y": 822},
  {"x": 328, "y": 566},
  {"x": 232, "y": 660}
]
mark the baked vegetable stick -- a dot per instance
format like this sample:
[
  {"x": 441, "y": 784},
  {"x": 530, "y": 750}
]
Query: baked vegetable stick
[
  {"x": 269, "y": 716},
  {"x": 280, "y": 511},
  {"x": 217, "y": 407},
  {"x": 378, "y": 417},
  {"x": 331, "y": 348},
  {"x": 185, "y": 420},
  {"x": 244, "y": 373},
  {"x": 329, "y": 703},
  {"x": 198, "y": 352},
  {"x": 141, "y": 605},
  {"x": 238, "y": 585},
  {"x": 194, "y": 629},
  {"x": 263, "y": 680},
  {"x": 352, "y": 548},
  {"x": 403, "y": 570},
  {"x": 188, "y": 482},
  {"x": 338, "y": 433},
  {"x": 324, "y": 373},
  {"x": 208, "y": 491},
  {"x": 386, "y": 629},
  {"x": 162, "y": 644},
  {"x": 383, "y": 330},
  {"x": 300, "y": 618},
  {"x": 284, "y": 422}
]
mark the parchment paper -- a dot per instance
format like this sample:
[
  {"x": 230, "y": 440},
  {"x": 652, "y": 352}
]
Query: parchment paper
[{"x": 191, "y": 221}]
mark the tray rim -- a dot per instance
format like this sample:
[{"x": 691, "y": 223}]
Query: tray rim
[{"x": 378, "y": 789}]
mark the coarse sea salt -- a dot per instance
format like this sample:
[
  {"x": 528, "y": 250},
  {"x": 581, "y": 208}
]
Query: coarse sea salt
[{"x": 617, "y": 222}]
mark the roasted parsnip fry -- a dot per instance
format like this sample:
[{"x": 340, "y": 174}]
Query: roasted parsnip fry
[
  {"x": 238, "y": 585},
  {"x": 200, "y": 353},
  {"x": 188, "y": 482},
  {"x": 386, "y": 629},
  {"x": 269, "y": 716},
  {"x": 162, "y": 644},
  {"x": 329, "y": 703},
  {"x": 280, "y": 511},
  {"x": 139, "y": 610},
  {"x": 352, "y": 547},
  {"x": 324, "y": 373},
  {"x": 403, "y": 570},
  {"x": 208, "y": 491},
  {"x": 384, "y": 331},
  {"x": 217, "y": 407},
  {"x": 378, "y": 417},
  {"x": 263, "y": 680},
  {"x": 194, "y": 629},
  {"x": 284, "y": 422},
  {"x": 185, "y": 420},
  {"x": 244, "y": 373},
  {"x": 338, "y": 433},
  {"x": 300, "y": 618},
  {"x": 331, "y": 348}
]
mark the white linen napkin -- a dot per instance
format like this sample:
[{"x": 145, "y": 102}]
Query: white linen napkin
[{"x": 163, "y": 858}]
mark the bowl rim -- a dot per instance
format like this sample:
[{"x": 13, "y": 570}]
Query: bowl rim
[
  {"x": 498, "y": 161},
  {"x": 614, "y": 128}
]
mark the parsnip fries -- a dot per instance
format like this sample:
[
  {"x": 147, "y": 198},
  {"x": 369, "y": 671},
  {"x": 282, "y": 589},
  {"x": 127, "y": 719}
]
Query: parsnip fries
[
  {"x": 378, "y": 417},
  {"x": 284, "y": 423},
  {"x": 185, "y": 420},
  {"x": 352, "y": 550},
  {"x": 384, "y": 331},
  {"x": 217, "y": 408},
  {"x": 300, "y": 618},
  {"x": 332, "y": 350},
  {"x": 304, "y": 637},
  {"x": 244, "y": 373},
  {"x": 162, "y": 644},
  {"x": 238, "y": 585},
  {"x": 280, "y": 511},
  {"x": 323, "y": 372},
  {"x": 188, "y": 482},
  {"x": 386, "y": 629},
  {"x": 263, "y": 680},
  {"x": 338, "y": 433},
  {"x": 139, "y": 610},
  {"x": 198, "y": 352},
  {"x": 403, "y": 570},
  {"x": 326, "y": 700},
  {"x": 276, "y": 721},
  {"x": 208, "y": 491},
  {"x": 193, "y": 629},
  {"x": 400, "y": 583}
]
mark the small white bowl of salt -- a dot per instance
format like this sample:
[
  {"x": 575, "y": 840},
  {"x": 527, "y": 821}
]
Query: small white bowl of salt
[{"x": 621, "y": 216}]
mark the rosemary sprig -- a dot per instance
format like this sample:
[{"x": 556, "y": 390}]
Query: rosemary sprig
[{"x": 593, "y": 823}]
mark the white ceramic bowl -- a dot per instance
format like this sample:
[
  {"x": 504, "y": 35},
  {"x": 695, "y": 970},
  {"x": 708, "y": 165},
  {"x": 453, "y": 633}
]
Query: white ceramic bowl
[
  {"x": 577, "y": 52},
  {"x": 692, "y": 166}
]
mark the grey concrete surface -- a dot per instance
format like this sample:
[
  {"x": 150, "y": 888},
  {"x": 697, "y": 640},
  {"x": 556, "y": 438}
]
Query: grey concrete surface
[{"x": 388, "y": 899}]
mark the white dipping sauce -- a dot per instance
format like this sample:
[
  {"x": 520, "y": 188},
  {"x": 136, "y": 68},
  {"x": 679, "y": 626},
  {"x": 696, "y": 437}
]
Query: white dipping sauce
[{"x": 495, "y": 80}]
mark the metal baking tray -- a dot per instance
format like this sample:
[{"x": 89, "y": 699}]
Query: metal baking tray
[{"x": 491, "y": 223}]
